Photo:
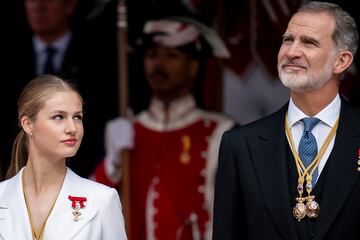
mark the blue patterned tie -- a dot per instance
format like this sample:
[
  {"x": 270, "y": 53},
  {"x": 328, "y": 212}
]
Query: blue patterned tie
[{"x": 307, "y": 146}]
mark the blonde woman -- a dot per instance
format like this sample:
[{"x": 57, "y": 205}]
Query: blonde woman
[{"x": 42, "y": 198}]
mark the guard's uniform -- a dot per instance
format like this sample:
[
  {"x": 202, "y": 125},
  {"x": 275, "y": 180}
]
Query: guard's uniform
[{"x": 172, "y": 170}]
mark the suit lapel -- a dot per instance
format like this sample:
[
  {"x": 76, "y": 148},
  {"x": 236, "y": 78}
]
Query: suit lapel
[
  {"x": 269, "y": 157},
  {"x": 14, "y": 218},
  {"x": 61, "y": 224},
  {"x": 342, "y": 170},
  {"x": 4, "y": 223}
]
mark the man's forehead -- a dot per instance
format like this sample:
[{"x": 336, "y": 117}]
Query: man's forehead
[{"x": 311, "y": 24}]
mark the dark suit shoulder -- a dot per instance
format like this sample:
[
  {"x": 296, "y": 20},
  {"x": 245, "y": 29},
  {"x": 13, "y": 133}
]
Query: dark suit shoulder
[
  {"x": 349, "y": 107},
  {"x": 262, "y": 126}
]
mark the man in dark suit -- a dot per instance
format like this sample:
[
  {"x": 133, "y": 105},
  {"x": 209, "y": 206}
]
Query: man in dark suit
[
  {"x": 295, "y": 174},
  {"x": 54, "y": 43}
]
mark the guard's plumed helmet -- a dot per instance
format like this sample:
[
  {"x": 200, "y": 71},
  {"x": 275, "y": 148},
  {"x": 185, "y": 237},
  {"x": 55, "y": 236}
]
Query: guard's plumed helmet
[{"x": 183, "y": 33}]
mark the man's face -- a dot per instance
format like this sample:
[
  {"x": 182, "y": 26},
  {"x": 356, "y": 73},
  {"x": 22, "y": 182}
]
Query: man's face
[
  {"x": 307, "y": 55},
  {"x": 47, "y": 17},
  {"x": 170, "y": 72}
]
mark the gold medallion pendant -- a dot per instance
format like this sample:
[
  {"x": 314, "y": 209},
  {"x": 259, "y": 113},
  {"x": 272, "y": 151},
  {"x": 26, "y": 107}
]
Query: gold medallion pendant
[
  {"x": 312, "y": 207},
  {"x": 300, "y": 210}
]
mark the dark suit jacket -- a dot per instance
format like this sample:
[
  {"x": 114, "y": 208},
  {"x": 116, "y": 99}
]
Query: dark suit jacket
[
  {"x": 90, "y": 62},
  {"x": 252, "y": 198}
]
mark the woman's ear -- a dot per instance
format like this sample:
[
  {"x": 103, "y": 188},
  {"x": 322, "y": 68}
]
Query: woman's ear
[
  {"x": 344, "y": 60},
  {"x": 26, "y": 125}
]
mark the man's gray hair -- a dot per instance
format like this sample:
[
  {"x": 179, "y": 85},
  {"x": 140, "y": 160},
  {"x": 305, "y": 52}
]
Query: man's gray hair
[{"x": 345, "y": 35}]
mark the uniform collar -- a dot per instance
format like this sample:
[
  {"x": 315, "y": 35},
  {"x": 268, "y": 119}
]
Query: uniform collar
[{"x": 173, "y": 112}]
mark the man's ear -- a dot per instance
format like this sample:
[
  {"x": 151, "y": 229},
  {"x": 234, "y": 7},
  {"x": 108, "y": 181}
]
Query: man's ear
[
  {"x": 194, "y": 68},
  {"x": 344, "y": 60},
  {"x": 26, "y": 125}
]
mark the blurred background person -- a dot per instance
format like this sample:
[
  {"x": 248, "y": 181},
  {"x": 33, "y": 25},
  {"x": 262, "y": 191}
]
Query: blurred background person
[{"x": 173, "y": 143}]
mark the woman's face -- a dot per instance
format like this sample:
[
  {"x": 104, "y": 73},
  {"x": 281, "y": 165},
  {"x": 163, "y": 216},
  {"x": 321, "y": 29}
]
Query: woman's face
[{"x": 57, "y": 130}]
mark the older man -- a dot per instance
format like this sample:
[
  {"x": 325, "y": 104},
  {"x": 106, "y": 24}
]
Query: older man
[{"x": 295, "y": 173}]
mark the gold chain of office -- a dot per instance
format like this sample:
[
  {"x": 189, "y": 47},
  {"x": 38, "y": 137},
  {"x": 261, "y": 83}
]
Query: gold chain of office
[{"x": 307, "y": 206}]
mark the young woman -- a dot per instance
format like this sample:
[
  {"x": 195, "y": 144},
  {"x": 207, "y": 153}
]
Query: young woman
[{"x": 42, "y": 198}]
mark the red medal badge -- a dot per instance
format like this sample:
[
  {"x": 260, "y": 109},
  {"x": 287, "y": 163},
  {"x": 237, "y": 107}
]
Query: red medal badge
[{"x": 77, "y": 203}]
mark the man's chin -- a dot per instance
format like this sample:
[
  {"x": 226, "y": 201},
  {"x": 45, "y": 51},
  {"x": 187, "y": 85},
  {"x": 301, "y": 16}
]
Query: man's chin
[{"x": 301, "y": 88}]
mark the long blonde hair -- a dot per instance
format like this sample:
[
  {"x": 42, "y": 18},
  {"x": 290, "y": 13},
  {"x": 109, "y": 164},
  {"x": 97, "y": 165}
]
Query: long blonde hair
[{"x": 30, "y": 102}]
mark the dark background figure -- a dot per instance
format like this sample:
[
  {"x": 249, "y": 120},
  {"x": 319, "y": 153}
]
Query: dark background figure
[{"x": 85, "y": 38}]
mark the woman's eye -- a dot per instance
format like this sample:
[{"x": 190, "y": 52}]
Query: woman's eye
[
  {"x": 58, "y": 117},
  {"x": 78, "y": 117}
]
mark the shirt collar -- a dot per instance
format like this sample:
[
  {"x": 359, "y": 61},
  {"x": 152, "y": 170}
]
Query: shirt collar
[
  {"x": 328, "y": 115},
  {"x": 60, "y": 44}
]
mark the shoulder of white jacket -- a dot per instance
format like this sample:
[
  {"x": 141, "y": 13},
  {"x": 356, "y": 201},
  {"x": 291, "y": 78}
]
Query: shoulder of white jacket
[{"x": 97, "y": 190}]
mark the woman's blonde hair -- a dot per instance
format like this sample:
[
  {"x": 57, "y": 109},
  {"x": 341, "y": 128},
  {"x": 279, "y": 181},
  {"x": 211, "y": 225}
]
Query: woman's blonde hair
[{"x": 30, "y": 102}]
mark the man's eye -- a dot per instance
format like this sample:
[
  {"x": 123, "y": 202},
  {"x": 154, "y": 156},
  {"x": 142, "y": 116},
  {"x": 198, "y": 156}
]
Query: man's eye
[
  {"x": 310, "y": 43},
  {"x": 286, "y": 40}
]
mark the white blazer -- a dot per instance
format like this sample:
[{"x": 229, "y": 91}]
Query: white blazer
[{"x": 101, "y": 218}]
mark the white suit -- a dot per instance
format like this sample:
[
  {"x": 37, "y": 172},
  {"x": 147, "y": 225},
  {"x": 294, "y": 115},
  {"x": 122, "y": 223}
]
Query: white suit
[{"x": 101, "y": 218}]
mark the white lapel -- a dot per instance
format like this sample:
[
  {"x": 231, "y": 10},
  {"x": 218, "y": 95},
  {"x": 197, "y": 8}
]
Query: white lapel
[
  {"x": 4, "y": 223},
  {"x": 14, "y": 218},
  {"x": 60, "y": 224}
]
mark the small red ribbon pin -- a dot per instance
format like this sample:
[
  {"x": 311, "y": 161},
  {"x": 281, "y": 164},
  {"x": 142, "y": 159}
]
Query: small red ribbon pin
[{"x": 75, "y": 200}]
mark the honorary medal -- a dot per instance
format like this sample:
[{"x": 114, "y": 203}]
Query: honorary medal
[
  {"x": 77, "y": 203},
  {"x": 185, "y": 154}
]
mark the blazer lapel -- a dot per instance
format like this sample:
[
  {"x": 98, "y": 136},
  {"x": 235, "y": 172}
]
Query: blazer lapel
[
  {"x": 61, "y": 223},
  {"x": 342, "y": 172},
  {"x": 269, "y": 157},
  {"x": 5, "y": 220},
  {"x": 14, "y": 218}
]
